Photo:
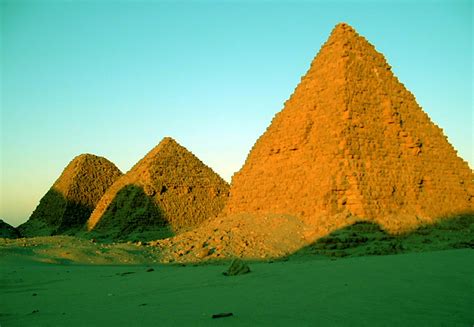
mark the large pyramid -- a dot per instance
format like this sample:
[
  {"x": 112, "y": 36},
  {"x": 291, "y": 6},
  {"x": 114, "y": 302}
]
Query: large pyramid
[
  {"x": 351, "y": 142},
  {"x": 68, "y": 204},
  {"x": 169, "y": 188}
]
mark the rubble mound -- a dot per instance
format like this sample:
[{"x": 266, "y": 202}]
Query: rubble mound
[
  {"x": 352, "y": 142},
  {"x": 65, "y": 208},
  {"x": 259, "y": 237},
  {"x": 169, "y": 190}
]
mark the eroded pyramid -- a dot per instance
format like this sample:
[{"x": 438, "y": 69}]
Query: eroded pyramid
[
  {"x": 169, "y": 189},
  {"x": 65, "y": 208},
  {"x": 8, "y": 231},
  {"x": 352, "y": 142}
]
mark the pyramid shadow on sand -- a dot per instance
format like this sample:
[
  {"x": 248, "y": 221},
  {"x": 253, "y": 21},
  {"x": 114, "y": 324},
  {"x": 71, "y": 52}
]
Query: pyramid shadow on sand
[
  {"x": 368, "y": 238},
  {"x": 133, "y": 216},
  {"x": 365, "y": 238}
]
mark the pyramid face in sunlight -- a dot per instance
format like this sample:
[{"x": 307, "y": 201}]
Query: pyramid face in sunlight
[
  {"x": 352, "y": 142},
  {"x": 169, "y": 188},
  {"x": 68, "y": 204}
]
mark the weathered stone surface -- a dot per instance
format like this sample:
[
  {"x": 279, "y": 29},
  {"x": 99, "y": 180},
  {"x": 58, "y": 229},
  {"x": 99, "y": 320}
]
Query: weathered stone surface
[
  {"x": 352, "y": 141},
  {"x": 8, "y": 231},
  {"x": 237, "y": 267},
  {"x": 237, "y": 236},
  {"x": 169, "y": 188},
  {"x": 66, "y": 207}
]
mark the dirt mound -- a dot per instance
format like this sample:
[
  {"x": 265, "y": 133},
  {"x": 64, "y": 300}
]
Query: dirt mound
[
  {"x": 8, "y": 231},
  {"x": 168, "y": 190},
  {"x": 241, "y": 235},
  {"x": 65, "y": 208},
  {"x": 352, "y": 142}
]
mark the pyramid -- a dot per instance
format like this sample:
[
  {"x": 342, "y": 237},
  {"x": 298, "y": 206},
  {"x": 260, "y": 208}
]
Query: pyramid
[
  {"x": 65, "y": 208},
  {"x": 8, "y": 231},
  {"x": 169, "y": 188},
  {"x": 352, "y": 143}
]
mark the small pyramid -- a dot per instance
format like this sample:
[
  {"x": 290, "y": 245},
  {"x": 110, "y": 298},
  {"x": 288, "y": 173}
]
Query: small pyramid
[
  {"x": 8, "y": 231},
  {"x": 65, "y": 208},
  {"x": 352, "y": 142},
  {"x": 169, "y": 188}
]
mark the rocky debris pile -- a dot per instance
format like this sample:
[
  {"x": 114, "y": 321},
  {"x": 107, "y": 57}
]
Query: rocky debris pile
[
  {"x": 65, "y": 208},
  {"x": 236, "y": 236},
  {"x": 170, "y": 189},
  {"x": 8, "y": 231},
  {"x": 352, "y": 142}
]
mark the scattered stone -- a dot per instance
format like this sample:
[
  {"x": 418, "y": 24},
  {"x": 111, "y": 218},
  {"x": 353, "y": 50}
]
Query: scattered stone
[
  {"x": 35, "y": 311},
  {"x": 201, "y": 254},
  {"x": 150, "y": 270},
  {"x": 34, "y": 294},
  {"x": 237, "y": 267},
  {"x": 222, "y": 315}
]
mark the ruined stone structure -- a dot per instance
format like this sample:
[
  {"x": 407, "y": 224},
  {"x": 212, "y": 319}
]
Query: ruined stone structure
[
  {"x": 169, "y": 187},
  {"x": 65, "y": 208},
  {"x": 352, "y": 142},
  {"x": 8, "y": 231}
]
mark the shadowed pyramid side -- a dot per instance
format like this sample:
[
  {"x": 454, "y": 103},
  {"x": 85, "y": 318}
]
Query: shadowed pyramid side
[
  {"x": 184, "y": 189},
  {"x": 65, "y": 208},
  {"x": 8, "y": 231},
  {"x": 133, "y": 215}
]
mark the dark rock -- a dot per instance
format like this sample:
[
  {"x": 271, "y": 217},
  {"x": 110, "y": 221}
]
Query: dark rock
[
  {"x": 237, "y": 267},
  {"x": 222, "y": 315}
]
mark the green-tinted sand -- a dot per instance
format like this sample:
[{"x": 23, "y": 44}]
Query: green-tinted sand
[{"x": 415, "y": 289}]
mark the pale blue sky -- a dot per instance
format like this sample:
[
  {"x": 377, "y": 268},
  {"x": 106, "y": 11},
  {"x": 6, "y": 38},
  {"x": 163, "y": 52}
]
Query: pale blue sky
[{"x": 114, "y": 77}]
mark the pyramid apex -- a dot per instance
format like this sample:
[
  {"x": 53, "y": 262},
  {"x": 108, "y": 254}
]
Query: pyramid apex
[
  {"x": 86, "y": 156},
  {"x": 343, "y": 29},
  {"x": 168, "y": 139},
  {"x": 166, "y": 145},
  {"x": 343, "y": 26}
]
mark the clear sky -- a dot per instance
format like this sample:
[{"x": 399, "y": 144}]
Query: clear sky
[{"x": 113, "y": 78}]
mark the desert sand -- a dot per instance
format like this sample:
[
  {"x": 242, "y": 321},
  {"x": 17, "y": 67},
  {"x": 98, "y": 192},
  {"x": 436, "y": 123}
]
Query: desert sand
[
  {"x": 357, "y": 276},
  {"x": 416, "y": 289}
]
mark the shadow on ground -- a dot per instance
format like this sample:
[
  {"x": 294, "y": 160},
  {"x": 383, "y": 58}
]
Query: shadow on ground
[
  {"x": 358, "y": 239},
  {"x": 368, "y": 238}
]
